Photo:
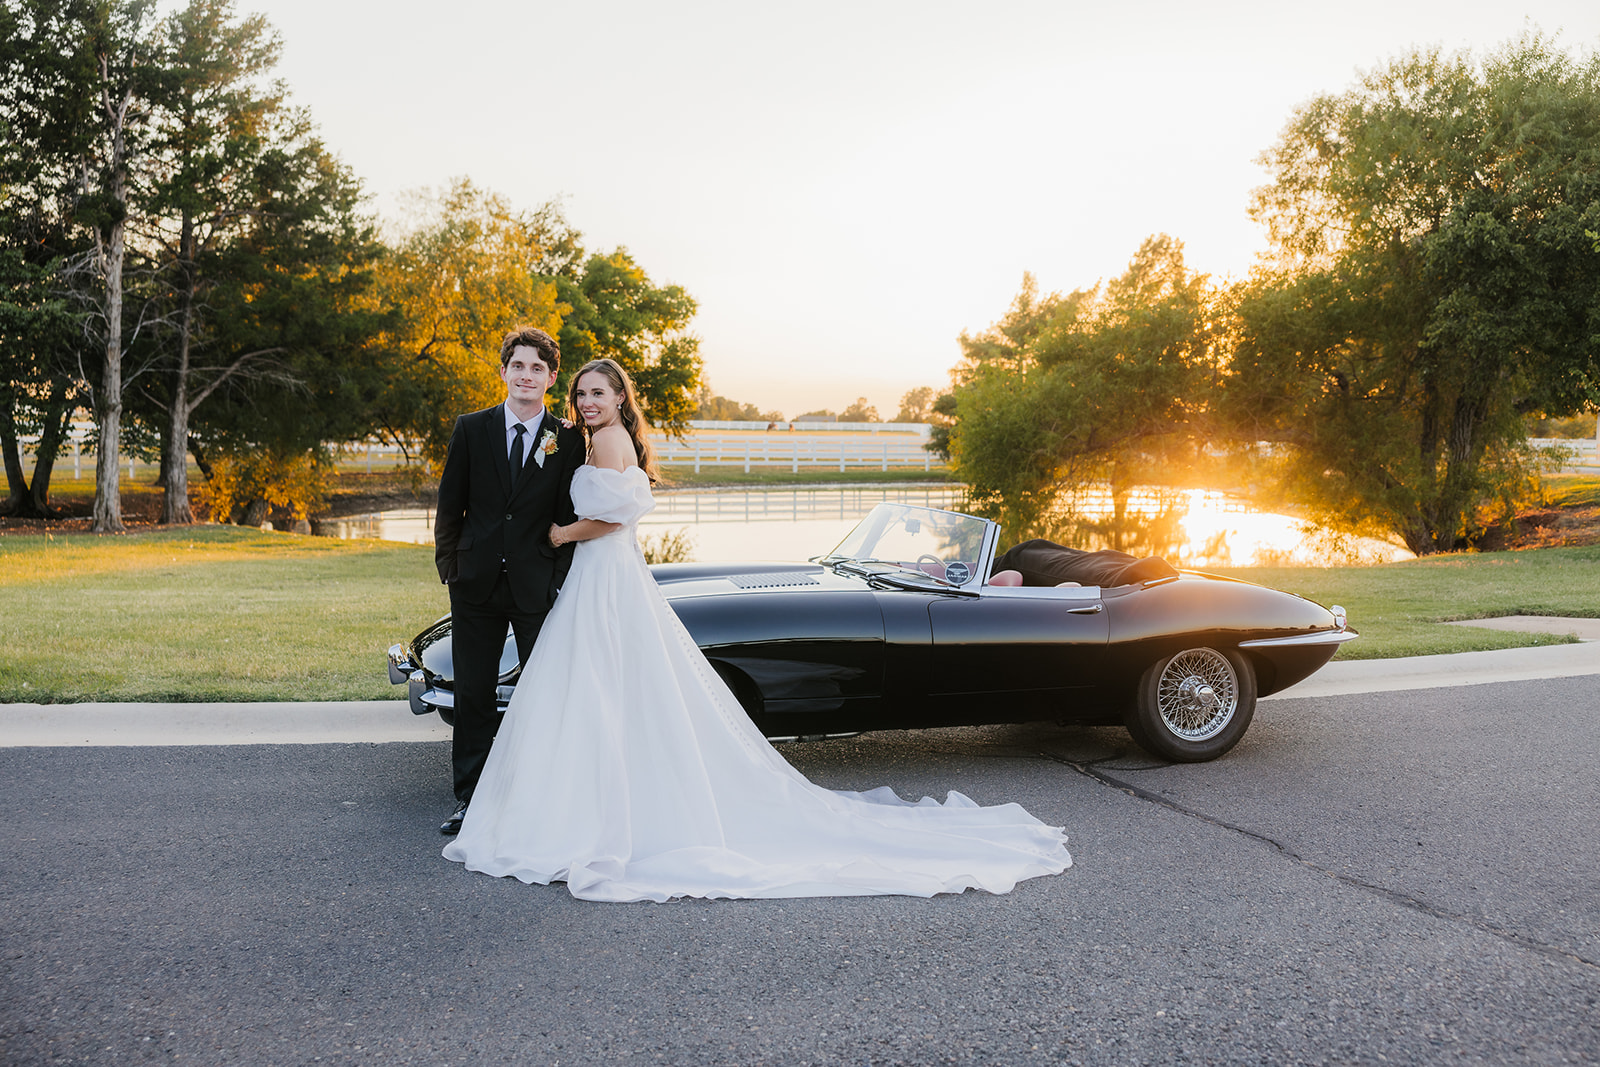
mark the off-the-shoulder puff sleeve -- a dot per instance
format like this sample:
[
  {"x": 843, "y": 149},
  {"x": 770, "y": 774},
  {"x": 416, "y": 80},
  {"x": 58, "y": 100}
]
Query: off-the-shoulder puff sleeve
[{"x": 611, "y": 496}]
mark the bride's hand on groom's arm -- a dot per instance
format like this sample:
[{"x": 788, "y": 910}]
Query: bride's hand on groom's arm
[{"x": 582, "y": 530}]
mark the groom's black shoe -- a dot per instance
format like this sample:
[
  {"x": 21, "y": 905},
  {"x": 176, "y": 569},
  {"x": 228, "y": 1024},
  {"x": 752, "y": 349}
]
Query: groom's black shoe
[{"x": 452, "y": 825}]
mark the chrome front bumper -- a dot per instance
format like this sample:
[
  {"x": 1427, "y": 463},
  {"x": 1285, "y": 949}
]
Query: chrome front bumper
[
  {"x": 403, "y": 670},
  {"x": 423, "y": 698},
  {"x": 1340, "y": 633}
]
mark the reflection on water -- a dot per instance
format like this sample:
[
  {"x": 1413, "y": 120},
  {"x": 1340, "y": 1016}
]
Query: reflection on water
[
  {"x": 1201, "y": 528},
  {"x": 1194, "y": 528},
  {"x": 1223, "y": 531},
  {"x": 412, "y": 525}
]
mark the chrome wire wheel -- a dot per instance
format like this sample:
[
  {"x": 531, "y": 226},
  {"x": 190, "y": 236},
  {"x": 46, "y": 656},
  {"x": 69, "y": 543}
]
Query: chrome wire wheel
[{"x": 1197, "y": 694}]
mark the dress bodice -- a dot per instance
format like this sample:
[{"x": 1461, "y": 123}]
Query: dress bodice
[{"x": 610, "y": 495}]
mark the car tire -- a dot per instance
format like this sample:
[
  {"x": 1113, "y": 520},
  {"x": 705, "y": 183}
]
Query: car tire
[{"x": 1193, "y": 705}]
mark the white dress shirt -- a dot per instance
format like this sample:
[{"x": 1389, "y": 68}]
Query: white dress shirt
[{"x": 530, "y": 440}]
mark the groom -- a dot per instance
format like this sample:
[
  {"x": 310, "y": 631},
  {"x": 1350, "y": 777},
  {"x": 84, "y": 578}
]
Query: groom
[{"x": 507, "y": 477}]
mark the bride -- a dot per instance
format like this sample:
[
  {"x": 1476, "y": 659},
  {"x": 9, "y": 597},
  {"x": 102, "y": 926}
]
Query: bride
[{"x": 626, "y": 768}]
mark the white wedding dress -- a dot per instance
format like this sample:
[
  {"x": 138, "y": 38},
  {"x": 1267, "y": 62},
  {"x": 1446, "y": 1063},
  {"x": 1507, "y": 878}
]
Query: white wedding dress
[{"x": 626, "y": 768}]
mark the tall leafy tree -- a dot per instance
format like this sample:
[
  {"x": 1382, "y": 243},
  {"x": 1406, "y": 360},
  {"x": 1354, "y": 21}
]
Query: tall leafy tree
[
  {"x": 116, "y": 39},
  {"x": 1432, "y": 285},
  {"x": 1102, "y": 387},
  {"x": 469, "y": 266},
  {"x": 74, "y": 98},
  {"x": 300, "y": 295},
  {"x": 215, "y": 248},
  {"x": 44, "y": 100},
  {"x": 39, "y": 338},
  {"x": 465, "y": 269},
  {"x": 612, "y": 309},
  {"x": 244, "y": 207}
]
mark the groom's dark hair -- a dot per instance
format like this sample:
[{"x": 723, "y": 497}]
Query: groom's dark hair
[{"x": 535, "y": 339}]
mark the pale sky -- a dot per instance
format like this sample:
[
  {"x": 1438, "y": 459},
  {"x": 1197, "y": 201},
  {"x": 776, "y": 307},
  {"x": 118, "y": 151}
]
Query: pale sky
[{"x": 845, "y": 187}]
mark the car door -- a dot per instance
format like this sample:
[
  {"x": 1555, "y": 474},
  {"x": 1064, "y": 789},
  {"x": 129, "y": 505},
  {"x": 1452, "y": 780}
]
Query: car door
[{"x": 1010, "y": 645}]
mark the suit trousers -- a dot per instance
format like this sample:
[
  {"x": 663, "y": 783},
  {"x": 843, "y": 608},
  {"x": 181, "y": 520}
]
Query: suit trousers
[{"x": 478, "y": 634}]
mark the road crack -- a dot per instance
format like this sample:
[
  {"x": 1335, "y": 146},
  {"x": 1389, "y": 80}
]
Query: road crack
[{"x": 1089, "y": 770}]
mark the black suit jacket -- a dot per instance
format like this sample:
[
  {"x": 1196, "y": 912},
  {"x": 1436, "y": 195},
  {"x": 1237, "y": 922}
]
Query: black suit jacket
[{"x": 486, "y": 515}]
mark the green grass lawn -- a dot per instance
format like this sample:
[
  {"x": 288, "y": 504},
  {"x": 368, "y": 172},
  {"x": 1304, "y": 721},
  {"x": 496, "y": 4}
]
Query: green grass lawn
[
  {"x": 208, "y": 613},
  {"x": 223, "y": 613},
  {"x": 1397, "y": 607},
  {"x": 1572, "y": 490}
]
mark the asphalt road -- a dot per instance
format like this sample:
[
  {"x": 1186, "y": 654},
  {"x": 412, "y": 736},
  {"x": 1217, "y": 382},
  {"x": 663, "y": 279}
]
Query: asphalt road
[{"x": 1407, "y": 877}]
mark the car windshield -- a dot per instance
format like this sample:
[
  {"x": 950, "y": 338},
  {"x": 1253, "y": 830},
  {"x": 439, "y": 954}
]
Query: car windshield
[{"x": 923, "y": 544}]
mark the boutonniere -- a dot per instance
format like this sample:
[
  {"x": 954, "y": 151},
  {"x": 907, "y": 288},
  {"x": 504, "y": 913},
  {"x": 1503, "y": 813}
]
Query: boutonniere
[{"x": 547, "y": 446}]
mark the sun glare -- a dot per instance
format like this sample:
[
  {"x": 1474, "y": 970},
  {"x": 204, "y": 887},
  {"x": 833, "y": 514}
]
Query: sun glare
[{"x": 1222, "y": 531}]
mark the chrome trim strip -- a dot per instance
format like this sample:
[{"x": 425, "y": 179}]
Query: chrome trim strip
[
  {"x": 1321, "y": 637},
  {"x": 984, "y": 564},
  {"x": 794, "y": 738}
]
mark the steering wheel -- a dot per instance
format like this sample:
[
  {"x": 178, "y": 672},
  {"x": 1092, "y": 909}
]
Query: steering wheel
[{"x": 935, "y": 560}]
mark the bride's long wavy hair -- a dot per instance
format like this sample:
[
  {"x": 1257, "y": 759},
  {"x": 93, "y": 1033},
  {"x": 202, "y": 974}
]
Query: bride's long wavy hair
[{"x": 632, "y": 417}]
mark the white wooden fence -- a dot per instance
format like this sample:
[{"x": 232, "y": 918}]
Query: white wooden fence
[
  {"x": 921, "y": 429},
  {"x": 782, "y": 450},
  {"x": 1581, "y": 451},
  {"x": 840, "y": 450},
  {"x": 845, "y": 448},
  {"x": 702, "y": 449}
]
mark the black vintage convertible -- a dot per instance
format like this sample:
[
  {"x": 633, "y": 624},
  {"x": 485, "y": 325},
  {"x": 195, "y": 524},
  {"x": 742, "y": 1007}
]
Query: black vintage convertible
[{"x": 912, "y": 621}]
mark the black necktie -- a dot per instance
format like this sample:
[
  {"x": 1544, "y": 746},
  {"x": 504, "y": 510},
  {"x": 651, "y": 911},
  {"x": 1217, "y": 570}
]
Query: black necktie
[{"x": 516, "y": 448}]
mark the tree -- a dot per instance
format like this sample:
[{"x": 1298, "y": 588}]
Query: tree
[
  {"x": 116, "y": 39},
  {"x": 45, "y": 105},
  {"x": 38, "y": 386},
  {"x": 943, "y": 418},
  {"x": 916, "y": 405},
  {"x": 302, "y": 289},
  {"x": 74, "y": 101},
  {"x": 720, "y": 409},
  {"x": 469, "y": 267},
  {"x": 1105, "y": 386},
  {"x": 208, "y": 117},
  {"x": 1432, "y": 285},
  {"x": 612, "y": 309},
  {"x": 244, "y": 204},
  {"x": 466, "y": 269},
  {"x": 211, "y": 244},
  {"x": 860, "y": 411}
]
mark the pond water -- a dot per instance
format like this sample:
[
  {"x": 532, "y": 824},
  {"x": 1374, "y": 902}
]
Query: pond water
[{"x": 1205, "y": 528}]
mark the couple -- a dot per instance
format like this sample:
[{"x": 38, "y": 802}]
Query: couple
[{"x": 624, "y": 766}]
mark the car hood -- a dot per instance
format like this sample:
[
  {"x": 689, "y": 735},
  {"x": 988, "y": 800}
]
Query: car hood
[{"x": 679, "y": 581}]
